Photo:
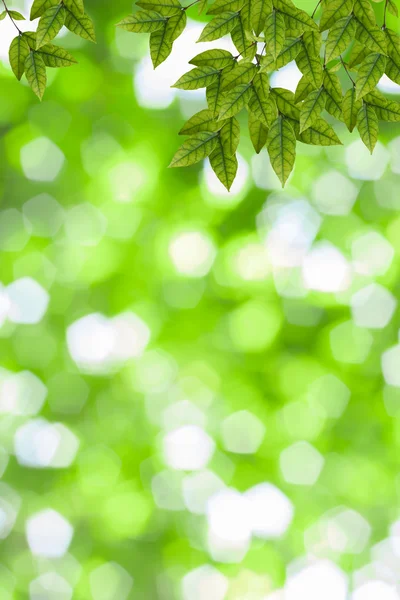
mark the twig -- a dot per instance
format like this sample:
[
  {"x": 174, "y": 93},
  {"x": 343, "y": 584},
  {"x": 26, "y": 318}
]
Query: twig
[
  {"x": 315, "y": 9},
  {"x": 12, "y": 20},
  {"x": 384, "y": 14}
]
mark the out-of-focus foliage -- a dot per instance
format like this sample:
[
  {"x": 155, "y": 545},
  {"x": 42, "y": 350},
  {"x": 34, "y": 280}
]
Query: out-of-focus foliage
[
  {"x": 269, "y": 34},
  {"x": 199, "y": 390}
]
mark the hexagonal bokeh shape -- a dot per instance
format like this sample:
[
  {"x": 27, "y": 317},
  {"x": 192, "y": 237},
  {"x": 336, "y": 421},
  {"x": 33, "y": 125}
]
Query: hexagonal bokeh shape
[
  {"x": 242, "y": 432},
  {"x": 301, "y": 464},
  {"x": 349, "y": 343},
  {"x": 334, "y": 193},
  {"x": 373, "y": 306},
  {"x": 270, "y": 511},
  {"x": 14, "y": 234},
  {"x": 41, "y": 159},
  {"x": 50, "y": 586},
  {"x": 204, "y": 583},
  {"x": 188, "y": 448},
  {"x": 192, "y": 253},
  {"x": 198, "y": 488},
  {"x": 28, "y": 301},
  {"x": 316, "y": 580},
  {"x": 44, "y": 215},
  {"x": 21, "y": 393},
  {"x": 49, "y": 534},
  {"x": 40, "y": 444},
  {"x": 372, "y": 254},
  {"x": 166, "y": 487},
  {"x": 390, "y": 361},
  {"x": 109, "y": 582},
  {"x": 85, "y": 224}
]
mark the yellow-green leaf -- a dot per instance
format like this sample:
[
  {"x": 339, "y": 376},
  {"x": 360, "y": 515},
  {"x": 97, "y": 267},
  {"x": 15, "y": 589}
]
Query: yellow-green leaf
[
  {"x": 368, "y": 126},
  {"x": 304, "y": 88},
  {"x": 161, "y": 40},
  {"x": 357, "y": 55},
  {"x": 40, "y": 6},
  {"x": 281, "y": 146},
  {"x": 194, "y": 149},
  {"x": 201, "y": 121},
  {"x": 229, "y": 136},
  {"x": 18, "y": 53},
  {"x": 235, "y": 100},
  {"x": 215, "y": 96},
  {"x": 333, "y": 91},
  {"x": 49, "y": 25},
  {"x": 224, "y": 165},
  {"x": 369, "y": 73},
  {"x": 258, "y": 133},
  {"x": 81, "y": 25},
  {"x": 75, "y": 5},
  {"x": 220, "y": 59},
  {"x": 286, "y": 103},
  {"x": 259, "y": 11},
  {"x": 144, "y": 21},
  {"x": 290, "y": 50},
  {"x": 35, "y": 72},
  {"x": 198, "y": 77},
  {"x": 167, "y": 8},
  {"x": 261, "y": 104},
  {"x": 333, "y": 10},
  {"x": 311, "y": 108},
  {"x": 386, "y": 110},
  {"x": 274, "y": 32},
  {"x": 364, "y": 13},
  {"x": 219, "y": 26},
  {"x": 297, "y": 19},
  {"x": 340, "y": 37},
  {"x": 319, "y": 134},
  {"x": 221, "y": 6},
  {"x": 310, "y": 65},
  {"x": 371, "y": 36},
  {"x": 243, "y": 72},
  {"x": 55, "y": 57},
  {"x": 238, "y": 35},
  {"x": 350, "y": 108}
]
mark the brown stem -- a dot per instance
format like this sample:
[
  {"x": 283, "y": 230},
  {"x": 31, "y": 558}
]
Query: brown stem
[{"x": 12, "y": 20}]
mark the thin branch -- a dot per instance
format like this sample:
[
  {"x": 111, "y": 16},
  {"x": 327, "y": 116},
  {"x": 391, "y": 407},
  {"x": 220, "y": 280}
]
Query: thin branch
[
  {"x": 245, "y": 50},
  {"x": 384, "y": 14},
  {"x": 12, "y": 20},
  {"x": 315, "y": 9},
  {"x": 189, "y": 5},
  {"x": 348, "y": 74}
]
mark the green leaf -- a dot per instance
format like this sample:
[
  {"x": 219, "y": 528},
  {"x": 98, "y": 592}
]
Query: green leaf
[
  {"x": 320, "y": 133},
  {"x": 340, "y": 36},
  {"x": 219, "y": 26},
  {"x": 240, "y": 40},
  {"x": 259, "y": 11},
  {"x": 195, "y": 149},
  {"x": 392, "y": 8},
  {"x": 16, "y": 15},
  {"x": 161, "y": 40},
  {"x": 368, "y": 126},
  {"x": 55, "y": 57},
  {"x": 201, "y": 121},
  {"x": 357, "y": 55},
  {"x": 224, "y": 165},
  {"x": 286, "y": 102},
  {"x": 333, "y": 11},
  {"x": 310, "y": 65},
  {"x": 144, "y": 21},
  {"x": 49, "y": 25},
  {"x": 202, "y": 5},
  {"x": 18, "y": 53},
  {"x": 258, "y": 133},
  {"x": 213, "y": 58},
  {"x": 197, "y": 78},
  {"x": 313, "y": 42},
  {"x": 76, "y": 6},
  {"x": 364, "y": 13},
  {"x": 221, "y": 6},
  {"x": 297, "y": 19},
  {"x": 372, "y": 37},
  {"x": 3, "y": 15},
  {"x": 235, "y": 100},
  {"x": 369, "y": 73},
  {"x": 312, "y": 107},
  {"x": 386, "y": 110},
  {"x": 230, "y": 136},
  {"x": 290, "y": 50},
  {"x": 281, "y": 146},
  {"x": 243, "y": 72},
  {"x": 167, "y": 8},
  {"x": 333, "y": 91},
  {"x": 35, "y": 72},
  {"x": 215, "y": 96},
  {"x": 351, "y": 107},
  {"x": 304, "y": 88},
  {"x": 40, "y": 6},
  {"x": 81, "y": 25},
  {"x": 261, "y": 104},
  {"x": 275, "y": 33},
  {"x": 393, "y": 61}
]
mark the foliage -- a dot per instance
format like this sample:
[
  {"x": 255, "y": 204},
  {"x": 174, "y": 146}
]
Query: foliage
[
  {"x": 32, "y": 51},
  {"x": 268, "y": 34}
]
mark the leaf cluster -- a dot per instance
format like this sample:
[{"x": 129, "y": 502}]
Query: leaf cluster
[
  {"x": 32, "y": 52},
  {"x": 340, "y": 35}
]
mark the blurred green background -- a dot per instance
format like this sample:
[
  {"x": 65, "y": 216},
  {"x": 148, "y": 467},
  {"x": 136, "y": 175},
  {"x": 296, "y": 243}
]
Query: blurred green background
[{"x": 199, "y": 391}]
